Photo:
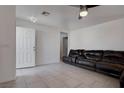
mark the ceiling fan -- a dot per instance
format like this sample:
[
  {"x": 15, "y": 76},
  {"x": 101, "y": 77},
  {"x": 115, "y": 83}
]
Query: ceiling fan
[{"x": 84, "y": 10}]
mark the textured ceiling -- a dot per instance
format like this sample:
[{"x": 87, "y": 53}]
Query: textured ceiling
[{"x": 67, "y": 16}]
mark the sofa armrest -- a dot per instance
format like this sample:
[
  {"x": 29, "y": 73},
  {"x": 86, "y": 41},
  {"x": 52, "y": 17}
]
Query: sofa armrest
[{"x": 122, "y": 80}]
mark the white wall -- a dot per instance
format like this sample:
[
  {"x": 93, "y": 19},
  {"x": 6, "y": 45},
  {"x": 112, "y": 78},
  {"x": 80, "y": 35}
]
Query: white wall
[
  {"x": 107, "y": 36},
  {"x": 48, "y": 47},
  {"x": 47, "y": 41},
  {"x": 7, "y": 43}
]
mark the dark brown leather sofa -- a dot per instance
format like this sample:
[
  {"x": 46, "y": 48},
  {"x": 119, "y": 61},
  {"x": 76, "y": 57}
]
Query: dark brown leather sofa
[
  {"x": 73, "y": 54},
  {"x": 105, "y": 61},
  {"x": 122, "y": 80}
]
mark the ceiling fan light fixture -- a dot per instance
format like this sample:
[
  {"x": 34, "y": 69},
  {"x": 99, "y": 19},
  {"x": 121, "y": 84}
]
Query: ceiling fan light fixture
[
  {"x": 83, "y": 11},
  {"x": 33, "y": 19}
]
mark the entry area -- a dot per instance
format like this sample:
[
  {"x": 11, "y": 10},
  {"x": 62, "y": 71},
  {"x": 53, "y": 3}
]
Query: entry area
[{"x": 25, "y": 47}]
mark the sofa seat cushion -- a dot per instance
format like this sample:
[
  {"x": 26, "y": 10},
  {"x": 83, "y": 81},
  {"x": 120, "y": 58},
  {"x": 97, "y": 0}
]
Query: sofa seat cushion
[
  {"x": 109, "y": 68},
  {"x": 86, "y": 63}
]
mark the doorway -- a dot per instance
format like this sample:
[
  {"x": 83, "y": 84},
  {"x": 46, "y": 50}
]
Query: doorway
[
  {"x": 63, "y": 44},
  {"x": 25, "y": 47}
]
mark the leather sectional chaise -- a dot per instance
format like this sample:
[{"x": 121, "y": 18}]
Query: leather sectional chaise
[{"x": 105, "y": 61}]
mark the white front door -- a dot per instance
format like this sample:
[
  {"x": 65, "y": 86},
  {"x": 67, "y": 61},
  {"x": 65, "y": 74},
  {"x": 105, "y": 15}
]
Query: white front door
[{"x": 25, "y": 47}]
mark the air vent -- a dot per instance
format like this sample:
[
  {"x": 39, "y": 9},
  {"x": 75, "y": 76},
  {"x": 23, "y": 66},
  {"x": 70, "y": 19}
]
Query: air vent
[{"x": 45, "y": 13}]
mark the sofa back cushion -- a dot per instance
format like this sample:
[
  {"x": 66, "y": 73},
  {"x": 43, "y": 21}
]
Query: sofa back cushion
[
  {"x": 74, "y": 53},
  {"x": 93, "y": 54},
  {"x": 113, "y": 57}
]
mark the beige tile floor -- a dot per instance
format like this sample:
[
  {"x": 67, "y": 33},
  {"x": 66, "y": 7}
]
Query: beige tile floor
[{"x": 60, "y": 75}]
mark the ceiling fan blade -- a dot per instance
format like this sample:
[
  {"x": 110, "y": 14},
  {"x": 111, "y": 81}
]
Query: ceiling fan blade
[{"x": 88, "y": 6}]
